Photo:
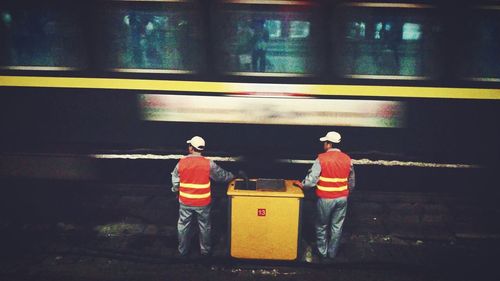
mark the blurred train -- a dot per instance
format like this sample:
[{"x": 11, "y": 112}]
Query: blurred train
[{"x": 416, "y": 79}]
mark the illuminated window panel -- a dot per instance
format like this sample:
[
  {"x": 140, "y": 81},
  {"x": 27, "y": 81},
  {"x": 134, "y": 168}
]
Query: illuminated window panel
[
  {"x": 299, "y": 29},
  {"x": 40, "y": 37},
  {"x": 267, "y": 41},
  {"x": 274, "y": 27},
  {"x": 386, "y": 42},
  {"x": 412, "y": 31},
  {"x": 156, "y": 37}
]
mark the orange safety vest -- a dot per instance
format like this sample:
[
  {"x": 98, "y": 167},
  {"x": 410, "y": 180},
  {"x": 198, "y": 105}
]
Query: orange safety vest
[
  {"x": 194, "y": 188},
  {"x": 333, "y": 180}
]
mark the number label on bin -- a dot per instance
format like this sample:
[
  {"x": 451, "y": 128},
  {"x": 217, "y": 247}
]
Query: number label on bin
[{"x": 261, "y": 212}]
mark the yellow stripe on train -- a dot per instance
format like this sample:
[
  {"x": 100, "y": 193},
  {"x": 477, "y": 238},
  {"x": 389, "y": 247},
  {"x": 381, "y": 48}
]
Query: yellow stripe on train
[{"x": 232, "y": 87}]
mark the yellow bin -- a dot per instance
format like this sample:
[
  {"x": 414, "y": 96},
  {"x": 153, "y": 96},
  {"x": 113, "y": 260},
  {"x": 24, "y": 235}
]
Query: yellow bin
[{"x": 264, "y": 224}]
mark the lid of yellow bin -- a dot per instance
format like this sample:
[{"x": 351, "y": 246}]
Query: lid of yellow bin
[{"x": 289, "y": 189}]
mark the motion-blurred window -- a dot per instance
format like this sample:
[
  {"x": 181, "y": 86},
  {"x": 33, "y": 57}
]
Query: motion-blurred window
[
  {"x": 40, "y": 36},
  {"x": 274, "y": 39},
  {"x": 152, "y": 37},
  {"x": 274, "y": 27},
  {"x": 481, "y": 56},
  {"x": 412, "y": 31},
  {"x": 386, "y": 42},
  {"x": 299, "y": 29}
]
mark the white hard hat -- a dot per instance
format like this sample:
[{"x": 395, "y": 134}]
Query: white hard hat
[
  {"x": 331, "y": 137},
  {"x": 197, "y": 142}
]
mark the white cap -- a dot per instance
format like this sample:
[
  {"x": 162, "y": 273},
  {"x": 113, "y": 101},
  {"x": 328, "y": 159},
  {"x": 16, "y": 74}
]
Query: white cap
[
  {"x": 331, "y": 137},
  {"x": 197, "y": 142}
]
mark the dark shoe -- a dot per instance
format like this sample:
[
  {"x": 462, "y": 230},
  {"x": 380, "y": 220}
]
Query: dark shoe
[
  {"x": 340, "y": 259},
  {"x": 326, "y": 260},
  {"x": 206, "y": 258},
  {"x": 206, "y": 255},
  {"x": 318, "y": 259},
  {"x": 183, "y": 257}
]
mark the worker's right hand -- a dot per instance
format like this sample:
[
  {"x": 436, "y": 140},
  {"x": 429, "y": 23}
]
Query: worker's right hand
[{"x": 298, "y": 184}]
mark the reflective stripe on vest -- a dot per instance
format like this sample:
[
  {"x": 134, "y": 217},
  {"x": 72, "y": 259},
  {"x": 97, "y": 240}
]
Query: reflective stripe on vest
[
  {"x": 333, "y": 179},
  {"x": 194, "y": 196},
  {"x": 324, "y": 188},
  {"x": 194, "y": 187}
]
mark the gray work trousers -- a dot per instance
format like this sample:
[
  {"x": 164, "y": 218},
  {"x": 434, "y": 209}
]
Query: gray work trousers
[
  {"x": 330, "y": 215},
  {"x": 185, "y": 230}
]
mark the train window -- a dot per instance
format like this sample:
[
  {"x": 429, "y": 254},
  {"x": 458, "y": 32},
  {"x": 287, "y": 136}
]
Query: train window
[
  {"x": 386, "y": 43},
  {"x": 40, "y": 37},
  {"x": 299, "y": 29},
  {"x": 271, "y": 40},
  {"x": 157, "y": 37},
  {"x": 482, "y": 52},
  {"x": 274, "y": 27},
  {"x": 412, "y": 31}
]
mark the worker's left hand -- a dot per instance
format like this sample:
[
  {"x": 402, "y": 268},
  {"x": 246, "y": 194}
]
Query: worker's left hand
[{"x": 242, "y": 174}]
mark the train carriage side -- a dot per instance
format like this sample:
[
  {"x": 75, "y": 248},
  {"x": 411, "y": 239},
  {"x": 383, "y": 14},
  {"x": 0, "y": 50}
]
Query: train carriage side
[{"x": 406, "y": 81}]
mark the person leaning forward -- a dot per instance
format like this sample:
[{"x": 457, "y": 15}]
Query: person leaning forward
[
  {"x": 333, "y": 175},
  {"x": 191, "y": 179}
]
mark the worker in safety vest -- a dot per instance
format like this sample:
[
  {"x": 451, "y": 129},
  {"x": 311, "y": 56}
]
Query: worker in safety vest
[
  {"x": 191, "y": 179},
  {"x": 333, "y": 175}
]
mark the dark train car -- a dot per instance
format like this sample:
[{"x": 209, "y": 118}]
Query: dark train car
[{"x": 412, "y": 80}]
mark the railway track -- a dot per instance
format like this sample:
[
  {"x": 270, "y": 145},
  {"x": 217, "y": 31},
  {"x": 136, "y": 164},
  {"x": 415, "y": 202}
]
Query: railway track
[{"x": 61, "y": 229}]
